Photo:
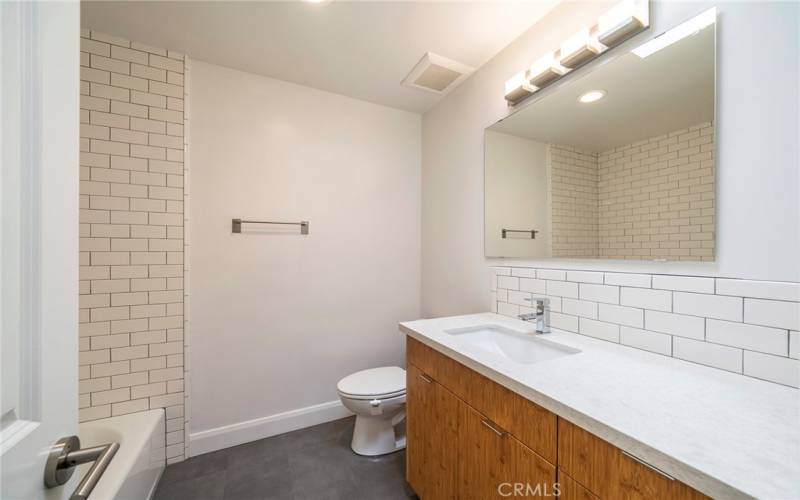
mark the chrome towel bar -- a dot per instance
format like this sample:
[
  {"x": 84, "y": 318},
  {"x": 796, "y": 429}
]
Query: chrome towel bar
[
  {"x": 236, "y": 224},
  {"x": 531, "y": 231}
]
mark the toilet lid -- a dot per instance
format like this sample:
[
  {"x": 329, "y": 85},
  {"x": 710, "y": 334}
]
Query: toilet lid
[{"x": 375, "y": 382}]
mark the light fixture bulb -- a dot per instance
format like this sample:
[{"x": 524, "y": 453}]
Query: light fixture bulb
[
  {"x": 579, "y": 49},
  {"x": 591, "y": 96},
  {"x": 622, "y": 21},
  {"x": 546, "y": 70},
  {"x": 518, "y": 87}
]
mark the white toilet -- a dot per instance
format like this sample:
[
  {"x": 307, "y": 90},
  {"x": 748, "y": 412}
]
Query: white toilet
[{"x": 378, "y": 398}]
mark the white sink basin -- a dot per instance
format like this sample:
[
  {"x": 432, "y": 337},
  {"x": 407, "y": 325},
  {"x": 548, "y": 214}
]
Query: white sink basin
[{"x": 521, "y": 348}]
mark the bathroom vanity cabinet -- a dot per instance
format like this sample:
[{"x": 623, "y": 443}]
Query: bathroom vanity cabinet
[
  {"x": 432, "y": 460},
  {"x": 468, "y": 437}
]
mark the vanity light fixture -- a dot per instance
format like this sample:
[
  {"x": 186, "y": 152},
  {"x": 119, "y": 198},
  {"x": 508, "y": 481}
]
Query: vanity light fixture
[
  {"x": 545, "y": 71},
  {"x": 518, "y": 87},
  {"x": 591, "y": 96},
  {"x": 622, "y": 21},
  {"x": 612, "y": 28},
  {"x": 580, "y": 48},
  {"x": 689, "y": 28}
]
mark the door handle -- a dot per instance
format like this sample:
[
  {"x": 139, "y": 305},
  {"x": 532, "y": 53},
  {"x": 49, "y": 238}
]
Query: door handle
[
  {"x": 425, "y": 378},
  {"x": 494, "y": 429},
  {"x": 67, "y": 454},
  {"x": 651, "y": 467},
  {"x": 500, "y": 434}
]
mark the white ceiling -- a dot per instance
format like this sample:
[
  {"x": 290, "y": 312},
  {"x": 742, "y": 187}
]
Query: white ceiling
[
  {"x": 358, "y": 49},
  {"x": 669, "y": 90}
]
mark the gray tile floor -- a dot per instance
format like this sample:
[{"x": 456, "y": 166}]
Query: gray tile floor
[{"x": 313, "y": 463}]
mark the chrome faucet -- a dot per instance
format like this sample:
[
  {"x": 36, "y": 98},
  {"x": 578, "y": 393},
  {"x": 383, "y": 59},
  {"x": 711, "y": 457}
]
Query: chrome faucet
[{"x": 541, "y": 314}]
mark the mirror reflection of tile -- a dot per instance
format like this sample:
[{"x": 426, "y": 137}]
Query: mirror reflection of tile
[{"x": 617, "y": 164}]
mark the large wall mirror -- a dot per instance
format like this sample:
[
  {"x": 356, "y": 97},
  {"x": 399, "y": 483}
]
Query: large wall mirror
[{"x": 617, "y": 163}]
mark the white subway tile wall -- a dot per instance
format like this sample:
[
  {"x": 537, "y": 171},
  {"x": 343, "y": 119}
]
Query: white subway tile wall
[
  {"x": 744, "y": 326},
  {"x": 131, "y": 226},
  {"x": 656, "y": 197},
  {"x": 623, "y": 315},
  {"x": 582, "y": 308},
  {"x": 651, "y": 199},
  {"x": 794, "y": 344},
  {"x": 585, "y": 276},
  {"x": 573, "y": 203},
  {"x": 649, "y": 341}
]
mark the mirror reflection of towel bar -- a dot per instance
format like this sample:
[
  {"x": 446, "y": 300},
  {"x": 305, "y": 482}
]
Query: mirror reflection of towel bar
[
  {"x": 531, "y": 231},
  {"x": 236, "y": 224}
]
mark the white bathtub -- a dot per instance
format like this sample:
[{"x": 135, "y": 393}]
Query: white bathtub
[{"x": 134, "y": 471}]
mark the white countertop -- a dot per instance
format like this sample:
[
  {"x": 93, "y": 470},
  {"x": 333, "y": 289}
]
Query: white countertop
[{"x": 726, "y": 435}]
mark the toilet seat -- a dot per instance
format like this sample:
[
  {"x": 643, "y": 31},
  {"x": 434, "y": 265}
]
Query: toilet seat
[
  {"x": 372, "y": 396},
  {"x": 376, "y": 383}
]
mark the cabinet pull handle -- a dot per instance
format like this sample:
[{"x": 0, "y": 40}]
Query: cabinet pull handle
[
  {"x": 494, "y": 429},
  {"x": 425, "y": 378},
  {"x": 652, "y": 468}
]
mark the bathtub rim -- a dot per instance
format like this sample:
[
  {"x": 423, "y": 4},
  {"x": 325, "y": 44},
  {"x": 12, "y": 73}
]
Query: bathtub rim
[{"x": 141, "y": 427}]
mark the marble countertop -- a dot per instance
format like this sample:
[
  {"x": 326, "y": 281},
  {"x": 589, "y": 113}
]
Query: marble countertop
[{"x": 726, "y": 435}]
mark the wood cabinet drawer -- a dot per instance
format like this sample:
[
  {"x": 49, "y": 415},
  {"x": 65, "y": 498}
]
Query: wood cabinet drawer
[
  {"x": 609, "y": 473},
  {"x": 434, "y": 364},
  {"x": 531, "y": 424}
]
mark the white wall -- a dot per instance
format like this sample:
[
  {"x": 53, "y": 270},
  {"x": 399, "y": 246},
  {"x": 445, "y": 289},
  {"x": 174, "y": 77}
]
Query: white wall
[
  {"x": 276, "y": 319},
  {"x": 517, "y": 195},
  {"x": 759, "y": 207}
]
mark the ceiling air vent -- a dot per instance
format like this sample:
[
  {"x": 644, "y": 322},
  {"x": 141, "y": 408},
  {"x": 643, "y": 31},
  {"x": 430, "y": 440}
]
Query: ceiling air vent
[{"x": 438, "y": 74}]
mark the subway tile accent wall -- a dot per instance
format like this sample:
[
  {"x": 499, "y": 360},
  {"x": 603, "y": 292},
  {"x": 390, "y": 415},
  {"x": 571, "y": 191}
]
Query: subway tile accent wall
[
  {"x": 131, "y": 227},
  {"x": 651, "y": 199},
  {"x": 743, "y": 326},
  {"x": 573, "y": 187},
  {"x": 656, "y": 197}
]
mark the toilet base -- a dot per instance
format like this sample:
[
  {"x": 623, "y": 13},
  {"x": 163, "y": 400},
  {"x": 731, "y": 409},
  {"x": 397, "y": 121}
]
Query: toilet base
[{"x": 377, "y": 436}]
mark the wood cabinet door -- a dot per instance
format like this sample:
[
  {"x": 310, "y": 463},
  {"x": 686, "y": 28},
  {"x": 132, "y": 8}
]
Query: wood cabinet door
[
  {"x": 431, "y": 437},
  {"x": 633, "y": 480},
  {"x": 534, "y": 474},
  {"x": 609, "y": 473},
  {"x": 526, "y": 421},
  {"x": 483, "y": 456},
  {"x": 419, "y": 396},
  {"x": 571, "y": 490},
  {"x": 493, "y": 464},
  {"x": 638, "y": 480}
]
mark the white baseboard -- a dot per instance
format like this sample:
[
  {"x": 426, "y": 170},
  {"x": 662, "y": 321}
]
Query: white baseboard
[{"x": 260, "y": 428}]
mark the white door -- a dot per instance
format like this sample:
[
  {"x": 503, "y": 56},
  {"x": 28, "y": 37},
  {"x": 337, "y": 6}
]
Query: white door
[{"x": 39, "y": 94}]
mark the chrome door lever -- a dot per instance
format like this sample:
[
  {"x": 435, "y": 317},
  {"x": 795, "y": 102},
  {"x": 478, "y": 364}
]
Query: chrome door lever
[{"x": 67, "y": 454}]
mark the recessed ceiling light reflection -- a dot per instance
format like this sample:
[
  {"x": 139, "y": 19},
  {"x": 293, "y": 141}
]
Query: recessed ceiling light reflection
[{"x": 591, "y": 96}]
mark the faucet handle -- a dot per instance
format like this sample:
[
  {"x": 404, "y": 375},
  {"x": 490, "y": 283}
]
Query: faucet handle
[
  {"x": 542, "y": 307},
  {"x": 540, "y": 302}
]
